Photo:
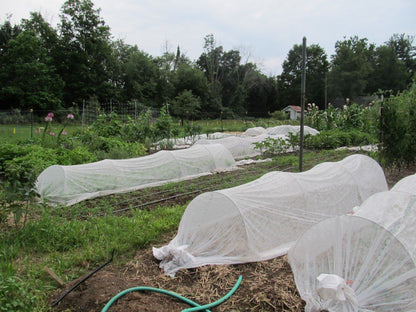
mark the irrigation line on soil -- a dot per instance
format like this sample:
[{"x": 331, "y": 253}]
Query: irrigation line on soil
[
  {"x": 84, "y": 279},
  {"x": 161, "y": 200},
  {"x": 177, "y": 196},
  {"x": 199, "y": 190},
  {"x": 195, "y": 185}
]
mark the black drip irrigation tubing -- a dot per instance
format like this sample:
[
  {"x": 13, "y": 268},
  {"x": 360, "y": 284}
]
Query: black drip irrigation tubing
[
  {"x": 174, "y": 196},
  {"x": 248, "y": 170},
  {"x": 188, "y": 193},
  {"x": 84, "y": 279}
]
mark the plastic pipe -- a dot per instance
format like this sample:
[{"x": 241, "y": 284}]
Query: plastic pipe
[
  {"x": 218, "y": 302},
  {"x": 196, "y": 306}
]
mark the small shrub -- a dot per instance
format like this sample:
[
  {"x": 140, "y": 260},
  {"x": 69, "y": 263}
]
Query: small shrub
[
  {"x": 294, "y": 140},
  {"x": 76, "y": 156},
  {"x": 115, "y": 148},
  {"x": 271, "y": 146},
  {"x": 27, "y": 167},
  {"x": 329, "y": 139},
  {"x": 163, "y": 125},
  {"x": 107, "y": 125},
  {"x": 398, "y": 126},
  {"x": 10, "y": 151}
]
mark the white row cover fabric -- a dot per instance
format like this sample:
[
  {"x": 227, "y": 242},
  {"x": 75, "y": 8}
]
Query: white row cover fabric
[
  {"x": 68, "y": 185},
  {"x": 279, "y": 130},
  {"x": 255, "y": 131},
  {"x": 407, "y": 184},
  {"x": 189, "y": 140},
  {"x": 286, "y": 129},
  {"x": 240, "y": 147},
  {"x": 262, "y": 219},
  {"x": 373, "y": 250}
]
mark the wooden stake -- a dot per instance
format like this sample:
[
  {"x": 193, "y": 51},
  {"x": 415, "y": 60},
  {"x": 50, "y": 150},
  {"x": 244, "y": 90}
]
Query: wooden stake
[{"x": 54, "y": 276}]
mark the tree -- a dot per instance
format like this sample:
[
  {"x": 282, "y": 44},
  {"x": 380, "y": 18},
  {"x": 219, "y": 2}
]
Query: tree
[
  {"x": 142, "y": 78},
  {"x": 389, "y": 72},
  {"x": 231, "y": 79},
  {"x": 28, "y": 77},
  {"x": 7, "y": 32},
  {"x": 261, "y": 95},
  {"x": 169, "y": 63},
  {"x": 209, "y": 62},
  {"x": 84, "y": 52},
  {"x": 406, "y": 53},
  {"x": 186, "y": 105},
  {"x": 290, "y": 79},
  {"x": 191, "y": 78},
  {"x": 43, "y": 31},
  {"x": 351, "y": 67}
]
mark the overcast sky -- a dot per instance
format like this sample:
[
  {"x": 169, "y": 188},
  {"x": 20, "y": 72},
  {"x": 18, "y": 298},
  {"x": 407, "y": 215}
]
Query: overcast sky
[{"x": 264, "y": 30}]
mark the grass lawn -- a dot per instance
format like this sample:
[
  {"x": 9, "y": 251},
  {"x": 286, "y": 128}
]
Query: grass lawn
[{"x": 16, "y": 133}]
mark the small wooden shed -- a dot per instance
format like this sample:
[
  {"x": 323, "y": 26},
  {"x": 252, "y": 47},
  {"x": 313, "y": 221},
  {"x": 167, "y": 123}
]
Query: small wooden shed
[{"x": 293, "y": 110}]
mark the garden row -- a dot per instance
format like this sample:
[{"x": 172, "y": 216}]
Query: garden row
[{"x": 390, "y": 123}]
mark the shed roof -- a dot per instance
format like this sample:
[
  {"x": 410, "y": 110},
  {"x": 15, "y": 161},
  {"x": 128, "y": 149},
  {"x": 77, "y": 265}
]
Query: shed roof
[{"x": 293, "y": 107}]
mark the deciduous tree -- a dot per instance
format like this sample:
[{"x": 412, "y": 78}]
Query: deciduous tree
[
  {"x": 84, "y": 51},
  {"x": 290, "y": 79}
]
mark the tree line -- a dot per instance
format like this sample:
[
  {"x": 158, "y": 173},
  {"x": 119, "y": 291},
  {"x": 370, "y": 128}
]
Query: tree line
[{"x": 47, "y": 68}]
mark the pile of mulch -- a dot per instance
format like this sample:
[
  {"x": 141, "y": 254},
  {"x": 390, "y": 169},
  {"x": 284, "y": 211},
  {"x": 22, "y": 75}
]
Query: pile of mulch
[{"x": 266, "y": 286}]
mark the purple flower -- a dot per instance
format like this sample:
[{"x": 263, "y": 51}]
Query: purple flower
[
  {"x": 51, "y": 115},
  {"x": 48, "y": 118},
  {"x": 52, "y": 134},
  {"x": 70, "y": 116}
]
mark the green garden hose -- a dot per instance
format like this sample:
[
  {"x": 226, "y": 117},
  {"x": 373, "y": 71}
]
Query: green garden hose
[{"x": 196, "y": 306}]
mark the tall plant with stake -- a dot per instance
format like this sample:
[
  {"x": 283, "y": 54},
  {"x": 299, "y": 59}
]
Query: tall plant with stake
[{"x": 398, "y": 127}]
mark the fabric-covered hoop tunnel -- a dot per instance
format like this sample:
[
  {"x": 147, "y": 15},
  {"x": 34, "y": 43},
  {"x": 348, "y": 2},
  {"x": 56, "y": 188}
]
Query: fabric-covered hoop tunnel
[
  {"x": 361, "y": 262},
  {"x": 68, "y": 185},
  {"x": 262, "y": 219}
]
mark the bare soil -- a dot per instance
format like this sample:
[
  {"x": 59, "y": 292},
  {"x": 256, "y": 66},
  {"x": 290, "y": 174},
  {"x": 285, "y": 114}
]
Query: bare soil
[{"x": 266, "y": 286}]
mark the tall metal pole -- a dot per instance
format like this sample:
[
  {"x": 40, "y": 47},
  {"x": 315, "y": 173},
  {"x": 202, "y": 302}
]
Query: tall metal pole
[
  {"x": 31, "y": 123},
  {"x": 83, "y": 114},
  {"x": 302, "y": 103},
  {"x": 326, "y": 91}
]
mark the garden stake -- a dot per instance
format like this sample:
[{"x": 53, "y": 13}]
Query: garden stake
[{"x": 84, "y": 279}]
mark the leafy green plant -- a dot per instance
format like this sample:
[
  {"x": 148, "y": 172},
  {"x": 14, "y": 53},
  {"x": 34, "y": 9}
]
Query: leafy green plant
[
  {"x": 10, "y": 151},
  {"x": 397, "y": 127},
  {"x": 349, "y": 117},
  {"x": 76, "y": 156},
  {"x": 27, "y": 167},
  {"x": 107, "y": 125},
  {"x": 166, "y": 144},
  {"x": 294, "y": 140},
  {"x": 329, "y": 139},
  {"x": 16, "y": 296},
  {"x": 163, "y": 125},
  {"x": 271, "y": 146}
]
